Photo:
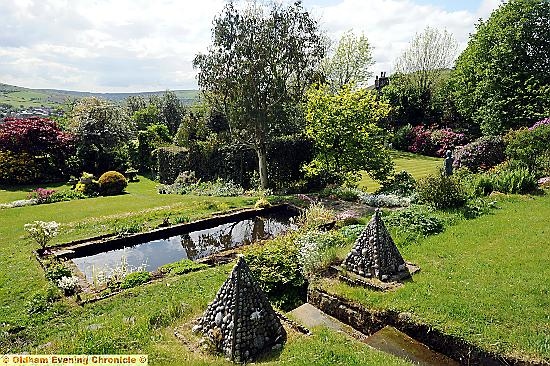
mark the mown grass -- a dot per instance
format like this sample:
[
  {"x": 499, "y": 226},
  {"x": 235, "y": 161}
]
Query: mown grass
[
  {"x": 14, "y": 193},
  {"x": 484, "y": 280},
  {"x": 141, "y": 319},
  {"x": 418, "y": 166}
]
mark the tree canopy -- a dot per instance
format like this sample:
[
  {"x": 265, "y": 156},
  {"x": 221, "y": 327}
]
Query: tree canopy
[
  {"x": 350, "y": 62},
  {"x": 257, "y": 69},
  {"x": 502, "y": 79},
  {"x": 102, "y": 132},
  {"x": 347, "y": 138}
]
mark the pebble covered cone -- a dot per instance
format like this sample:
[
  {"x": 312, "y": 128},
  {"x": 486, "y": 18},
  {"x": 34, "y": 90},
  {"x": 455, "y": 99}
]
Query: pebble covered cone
[
  {"x": 240, "y": 321},
  {"x": 374, "y": 253}
]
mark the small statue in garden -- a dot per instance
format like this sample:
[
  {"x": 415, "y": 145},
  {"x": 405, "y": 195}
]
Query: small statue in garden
[{"x": 449, "y": 159}]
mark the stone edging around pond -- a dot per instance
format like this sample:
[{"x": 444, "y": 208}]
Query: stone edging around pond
[
  {"x": 68, "y": 250},
  {"x": 369, "y": 321}
]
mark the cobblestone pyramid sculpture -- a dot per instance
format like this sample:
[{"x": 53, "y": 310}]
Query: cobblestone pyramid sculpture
[
  {"x": 374, "y": 254},
  {"x": 240, "y": 321}
]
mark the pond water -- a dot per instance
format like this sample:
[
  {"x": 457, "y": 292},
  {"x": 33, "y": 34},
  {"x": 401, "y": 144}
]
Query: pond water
[{"x": 192, "y": 245}]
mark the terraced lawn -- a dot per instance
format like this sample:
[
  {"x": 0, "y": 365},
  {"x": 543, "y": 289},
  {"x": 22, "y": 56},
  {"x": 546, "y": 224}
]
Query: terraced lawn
[
  {"x": 418, "y": 166},
  {"x": 142, "y": 319},
  {"x": 484, "y": 280}
]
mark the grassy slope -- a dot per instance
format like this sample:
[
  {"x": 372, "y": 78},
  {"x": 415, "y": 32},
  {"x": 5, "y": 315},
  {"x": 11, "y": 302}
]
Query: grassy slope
[
  {"x": 485, "y": 280},
  {"x": 140, "y": 320},
  {"x": 18, "y": 96},
  {"x": 417, "y": 165}
]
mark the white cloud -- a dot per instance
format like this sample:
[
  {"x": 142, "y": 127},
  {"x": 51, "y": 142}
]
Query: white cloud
[{"x": 131, "y": 45}]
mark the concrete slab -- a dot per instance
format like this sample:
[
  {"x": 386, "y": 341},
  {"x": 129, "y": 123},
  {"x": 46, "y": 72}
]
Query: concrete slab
[
  {"x": 309, "y": 316},
  {"x": 397, "y": 343}
]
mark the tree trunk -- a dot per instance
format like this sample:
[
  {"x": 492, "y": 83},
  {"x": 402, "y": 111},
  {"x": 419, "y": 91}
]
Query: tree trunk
[{"x": 262, "y": 165}]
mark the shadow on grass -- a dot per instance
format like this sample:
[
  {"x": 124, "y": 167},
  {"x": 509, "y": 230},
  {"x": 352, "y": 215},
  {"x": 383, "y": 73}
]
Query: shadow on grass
[
  {"x": 31, "y": 187},
  {"x": 411, "y": 156}
]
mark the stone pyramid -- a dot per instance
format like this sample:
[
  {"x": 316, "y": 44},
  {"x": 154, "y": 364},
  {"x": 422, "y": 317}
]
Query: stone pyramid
[
  {"x": 240, "y": 321},
  {"x": 374, "y": 254}
]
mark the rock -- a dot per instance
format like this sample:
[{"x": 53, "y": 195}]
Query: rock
[{"x": 218, "y": 319}]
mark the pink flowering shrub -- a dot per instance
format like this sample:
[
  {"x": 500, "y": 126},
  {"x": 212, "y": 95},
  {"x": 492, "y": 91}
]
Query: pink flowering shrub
[
  {"x": 422, "y": 141},
  {"x": 41, "y": 195},
  {"x": 435, "y": 142}
]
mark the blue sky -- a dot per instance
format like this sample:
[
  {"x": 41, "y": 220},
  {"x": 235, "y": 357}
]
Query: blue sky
[{"x": 144, "y": 45}]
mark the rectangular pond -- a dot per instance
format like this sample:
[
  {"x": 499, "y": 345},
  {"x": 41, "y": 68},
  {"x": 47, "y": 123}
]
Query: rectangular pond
[{"x": 195, "y": 244}]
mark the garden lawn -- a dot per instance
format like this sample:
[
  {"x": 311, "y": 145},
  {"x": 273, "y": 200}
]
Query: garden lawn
[
  {"x": 485, "y": 280},
  {"x": 142, "y": 319},
  {"x": 418, "y": 166},
  {"x": 14, "y": 193}
]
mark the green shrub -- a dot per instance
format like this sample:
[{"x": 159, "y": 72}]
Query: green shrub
[
  {"x": 514, "y": 180},
  {"x": 181, "y": 267},
  {"x": 21, "y": 168},
  {"x": 314, "y": 216},
  {"x": 276, "y": 266},
  {"x": 67, "y": 195},
  {"x": 170, "y": 161},
  {"x": 384, "y": 200},
  {"x": 317, "y": 250},
  {"x": 262, "y": 203},
  {"x": 480, "y": 185},
  {"x": 218, "y": 188},
  {"x": 351, "y": 232},
  {"x": 135, "y": 279},
  {"x": 56, "y": 271},
  {"x": 87, "y": 185},
  {"x": 341, "y": 193},
  {"x": 112, "y": 183},
  {"x": 42, "y": 301},
  {"x": 531, "y": 147},
  {"x": 415, "y": 219},
  {"x": 402, "y": 138},
  {"x": 441, "y": 191},
  {"x": 402, "y": 184}
]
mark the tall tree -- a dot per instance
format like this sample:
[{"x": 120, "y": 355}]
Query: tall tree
[
  {"x": 350, "y": 62},
  {"x": 344, "y": 128},
  {"x": 257, "y": 70},
  {"x": 102, "y": 132},
  {"x": 502, "y": 79},
  {"x": 172, "y": 111},
  {"x": 428, "y": 53}
]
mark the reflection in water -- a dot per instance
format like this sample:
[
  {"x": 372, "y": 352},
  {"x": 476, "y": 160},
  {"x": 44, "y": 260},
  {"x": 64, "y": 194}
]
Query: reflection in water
[{"x": 193, "y": 245}]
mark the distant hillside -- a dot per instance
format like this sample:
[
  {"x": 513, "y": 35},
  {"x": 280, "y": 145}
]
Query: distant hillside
[{"x": 18, "y": 97}]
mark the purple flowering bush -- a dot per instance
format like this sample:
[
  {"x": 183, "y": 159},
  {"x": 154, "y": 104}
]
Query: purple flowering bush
[
  {"x": 543, "y": 122},
  {"x": 482, "y": 154},
  {"x": 446, "y": 139}
]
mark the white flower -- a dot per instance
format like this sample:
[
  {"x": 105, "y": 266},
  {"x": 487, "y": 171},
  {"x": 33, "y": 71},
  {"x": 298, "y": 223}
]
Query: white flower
[
  {"x": 42, "y": 232},
  {"x": 68, "y": 283}
]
